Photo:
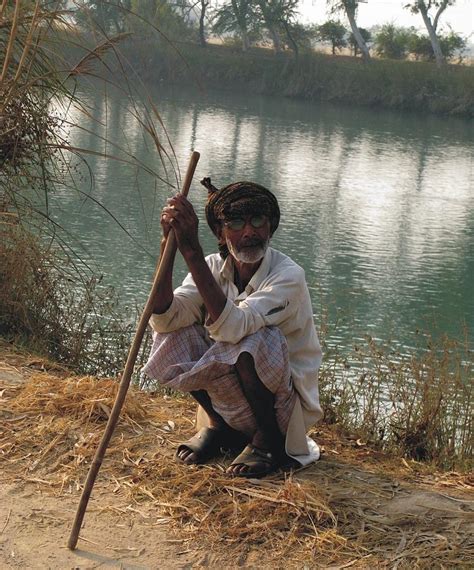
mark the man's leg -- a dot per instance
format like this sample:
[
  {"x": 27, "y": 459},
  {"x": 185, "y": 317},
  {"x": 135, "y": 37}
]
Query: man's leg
[
  {"x": 222, "y": 434},
  {"x": 215, "y": 422},
  {"x": 268, "y": 436}
]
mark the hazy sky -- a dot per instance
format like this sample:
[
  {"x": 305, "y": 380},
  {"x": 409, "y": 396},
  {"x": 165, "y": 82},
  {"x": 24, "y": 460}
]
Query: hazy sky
[{"x": 460, "y": 16}]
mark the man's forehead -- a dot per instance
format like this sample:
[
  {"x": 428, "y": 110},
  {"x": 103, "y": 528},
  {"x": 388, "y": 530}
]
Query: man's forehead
[{"x": 243, "y": 207}]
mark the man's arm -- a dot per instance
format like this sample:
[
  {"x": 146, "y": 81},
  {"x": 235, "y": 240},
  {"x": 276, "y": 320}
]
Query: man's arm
[
  {"x": 164, "y": 296},
  {"x": 179, "y": 214}
]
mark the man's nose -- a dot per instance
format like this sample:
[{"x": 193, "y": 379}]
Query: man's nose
[{"x": 248, "y": 228}]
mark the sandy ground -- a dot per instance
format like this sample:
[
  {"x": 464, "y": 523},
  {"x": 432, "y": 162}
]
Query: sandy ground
[
  {"x": 34, "y": 529},
  {"x": 388, "y": 513},
  {"x": 35, "y": 525}
]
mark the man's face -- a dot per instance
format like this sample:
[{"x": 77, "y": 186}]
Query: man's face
[{"x": 247, "y": 237}]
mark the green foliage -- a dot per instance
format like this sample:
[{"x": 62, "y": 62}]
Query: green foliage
[
  {"x": 107, "y": 16},
  {"x": 162, "y": 15},
  {"x": 334, "y": 33},
  {"x": 431, "y": 11},
  {"x": 301, "y": 35},
  {"x": 394, "y": 42},
  {"x": 238, "y": 17},
  {"x": 451, "y": 44},
  {"x": 420, "y": 6},
  {"x": 278, "y": 16},
  {"x": 406, "y": 85},
  {"x": 139, "y": 16},
  {"x": 347, "y": 6},
  {"x": 366, "y": 36}
]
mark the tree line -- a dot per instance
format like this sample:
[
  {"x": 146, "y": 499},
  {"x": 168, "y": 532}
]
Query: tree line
[{"x": 256, "y": 22}]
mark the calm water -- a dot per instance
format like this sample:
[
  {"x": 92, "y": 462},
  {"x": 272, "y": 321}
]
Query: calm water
[{"x": 378, "y": 207}]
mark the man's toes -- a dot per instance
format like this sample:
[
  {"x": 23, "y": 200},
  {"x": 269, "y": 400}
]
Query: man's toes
[
  {"x": 187, "y": 455},
  {"x": 237, "y": 469}
]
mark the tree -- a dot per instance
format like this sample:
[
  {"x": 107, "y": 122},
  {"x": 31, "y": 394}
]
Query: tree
[
  {"x": 451, "y": 44},
  {"x": 202, "y": 18},
  {"x": 431, "y": 11},
  {"x": 110, "y": 17},
  {"x": 393, "y": 42},
  {"x": 334, "y": 33},
  {"x": 160, "y": 13},
  {"x": 278, "y": 17},
  {"x": 237, "y": 16},
  {"x": 299, "y": 36},
  {"x": 349, "y": 7},
  {"x": 366, "y": 35}
]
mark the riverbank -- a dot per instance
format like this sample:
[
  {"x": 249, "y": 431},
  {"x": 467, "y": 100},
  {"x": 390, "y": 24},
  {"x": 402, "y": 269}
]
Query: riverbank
[
  {"x": 389, "y": 84},
  {"x": 356, "y": 507}
]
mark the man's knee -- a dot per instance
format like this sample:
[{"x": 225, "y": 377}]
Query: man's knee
[
  {"x": 245, "y": 367},
  {"x": 252, "y": 385}
]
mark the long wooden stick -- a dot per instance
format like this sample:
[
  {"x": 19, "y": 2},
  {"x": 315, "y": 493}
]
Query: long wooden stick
[{"x": 163, "y": 266}]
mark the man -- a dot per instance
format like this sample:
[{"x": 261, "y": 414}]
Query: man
[{"x": 239, "y": 335}]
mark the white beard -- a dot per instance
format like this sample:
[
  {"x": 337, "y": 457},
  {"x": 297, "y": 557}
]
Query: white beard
[{"x": 248, "y": 255}]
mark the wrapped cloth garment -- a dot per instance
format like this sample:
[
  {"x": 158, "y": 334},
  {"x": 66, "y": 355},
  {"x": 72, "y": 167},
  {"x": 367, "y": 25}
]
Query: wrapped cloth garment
[{"x": 188, "y": 360}]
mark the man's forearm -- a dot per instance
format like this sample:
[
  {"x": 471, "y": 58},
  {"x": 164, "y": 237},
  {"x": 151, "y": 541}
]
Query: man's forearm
[
  {"x": 164, "y": 296},
  {"x": 210, "y": 291}
]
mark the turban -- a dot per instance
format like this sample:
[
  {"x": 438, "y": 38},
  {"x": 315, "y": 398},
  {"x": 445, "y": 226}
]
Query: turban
[{"x": 238, "y": 200}]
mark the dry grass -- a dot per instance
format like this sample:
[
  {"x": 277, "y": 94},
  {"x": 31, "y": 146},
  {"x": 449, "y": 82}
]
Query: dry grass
[
  {"x": 350, "y": 509},
  {"x": 417, "y": 403}
]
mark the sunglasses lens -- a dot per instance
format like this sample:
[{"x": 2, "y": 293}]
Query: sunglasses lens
[
  {"x": 258, "y": 221},
  {"x": 236, "y": 224}
]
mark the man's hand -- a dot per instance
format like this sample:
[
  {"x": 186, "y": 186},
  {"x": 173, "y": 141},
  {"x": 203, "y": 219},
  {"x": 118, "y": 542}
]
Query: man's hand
[{"x": 179, "y": 215}]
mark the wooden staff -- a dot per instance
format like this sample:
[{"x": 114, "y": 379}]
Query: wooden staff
[{"x": 163, "y": 266}]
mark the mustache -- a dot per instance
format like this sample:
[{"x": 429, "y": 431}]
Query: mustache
[{"x": 252, "y": 242}]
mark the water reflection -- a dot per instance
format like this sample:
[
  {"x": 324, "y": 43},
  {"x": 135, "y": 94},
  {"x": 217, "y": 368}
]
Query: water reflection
[{"x": 377, "y": 207}]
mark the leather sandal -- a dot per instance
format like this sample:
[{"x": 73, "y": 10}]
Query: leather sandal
[
  {"x": 259, "y": 462},
  {"x": 205, "y": 444},
  {"x": 210, "y": 442}
]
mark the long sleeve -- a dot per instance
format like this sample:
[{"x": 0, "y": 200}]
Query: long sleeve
[{"x": 275, "y": 303}]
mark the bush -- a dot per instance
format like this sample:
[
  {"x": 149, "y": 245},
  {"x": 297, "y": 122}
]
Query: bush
[
  {"x": 451, "y": 44},
  {"x": 393, "y": 42},
  {"x": 334, "y": 33}
]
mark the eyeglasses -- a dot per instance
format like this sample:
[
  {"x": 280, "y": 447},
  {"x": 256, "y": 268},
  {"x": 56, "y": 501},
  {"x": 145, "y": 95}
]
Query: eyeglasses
[{"x": 237, "y": 224}]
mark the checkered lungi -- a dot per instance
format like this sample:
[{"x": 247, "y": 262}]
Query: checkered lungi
[{"x": 188, "y": 360}]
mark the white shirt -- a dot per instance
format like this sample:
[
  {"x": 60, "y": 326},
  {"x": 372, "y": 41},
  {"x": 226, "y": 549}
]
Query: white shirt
[{"x": 277, "y": 295}]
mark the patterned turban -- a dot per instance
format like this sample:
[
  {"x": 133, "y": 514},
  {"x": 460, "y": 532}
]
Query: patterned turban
[{"x": 239, "y": 200}]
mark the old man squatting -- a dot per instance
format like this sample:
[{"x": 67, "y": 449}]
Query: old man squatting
[{"x": 238, "y": 334}]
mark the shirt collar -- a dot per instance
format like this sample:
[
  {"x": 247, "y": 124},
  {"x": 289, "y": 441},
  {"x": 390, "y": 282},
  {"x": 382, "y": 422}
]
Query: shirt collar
[{"x": 227, "y": 271}]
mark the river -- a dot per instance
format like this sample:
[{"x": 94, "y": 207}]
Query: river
[{"x": 377, "y": 206}]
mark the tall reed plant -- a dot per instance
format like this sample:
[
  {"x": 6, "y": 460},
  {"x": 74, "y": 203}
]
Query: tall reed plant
[{"x": 49, "y": 298}]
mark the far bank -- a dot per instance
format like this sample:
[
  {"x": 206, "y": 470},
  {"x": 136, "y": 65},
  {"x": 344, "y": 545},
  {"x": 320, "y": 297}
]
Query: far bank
[{"x": 389, "y": 84}]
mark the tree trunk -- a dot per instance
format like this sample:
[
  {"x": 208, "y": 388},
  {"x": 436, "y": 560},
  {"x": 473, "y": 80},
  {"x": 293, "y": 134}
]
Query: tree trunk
[
  {"x": 357, "y": 35},
  {"x": 275, "y": 38},
  {"x": 245, "y": 40},
  {"x": 291, "y": 39},
  {"x": 202, "y": 35},
  {"x": 439, "y": 57},
  {"x": 240, "y": 16},
  {"x": 269, "y": 22}
]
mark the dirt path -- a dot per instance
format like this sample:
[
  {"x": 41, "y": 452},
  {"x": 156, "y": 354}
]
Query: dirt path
[
  {"x": 34, "y": 529},
  {"x": 355, "y": 508},
  {"x": 35, "y": 524}
]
